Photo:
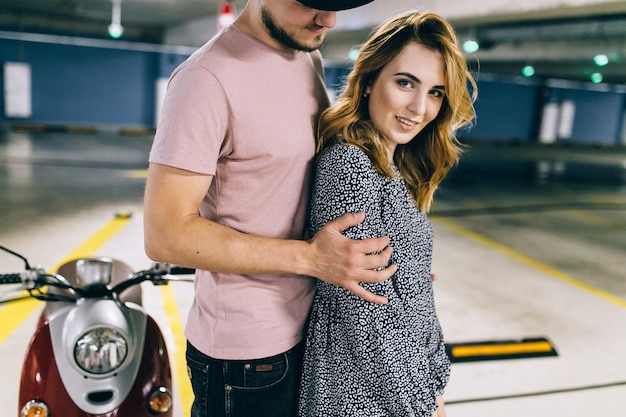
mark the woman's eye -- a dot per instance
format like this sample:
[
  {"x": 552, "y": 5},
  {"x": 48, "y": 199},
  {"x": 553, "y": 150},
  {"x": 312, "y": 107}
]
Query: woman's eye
[
  {"x": 437, "y": 93},
  {"x": 405, "y": 83}
]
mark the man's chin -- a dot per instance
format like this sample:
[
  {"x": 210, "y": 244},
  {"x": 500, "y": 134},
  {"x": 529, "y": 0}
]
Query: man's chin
[{"x": 315, "y": 44}]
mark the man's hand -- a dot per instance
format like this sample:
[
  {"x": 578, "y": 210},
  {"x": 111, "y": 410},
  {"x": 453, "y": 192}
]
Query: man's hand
[{"x": 346, "y": 263}]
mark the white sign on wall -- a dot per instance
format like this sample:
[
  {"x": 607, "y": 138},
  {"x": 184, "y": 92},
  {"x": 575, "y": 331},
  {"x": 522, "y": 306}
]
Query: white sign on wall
[
  {"x": 566, "y": 120},
  {"x": 17, "y": 90},
  {"x": 549, "y": 123},
  {"x": 161, "y": 89}
]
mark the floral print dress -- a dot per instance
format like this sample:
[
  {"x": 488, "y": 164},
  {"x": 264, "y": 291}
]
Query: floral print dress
[{"x": 365, "y": 359}]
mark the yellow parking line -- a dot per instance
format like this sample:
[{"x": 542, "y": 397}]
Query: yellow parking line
[
  {"x": 95, "y": 242},
  {"x": 180, "y": 345},
  {"x": 137, "y": 173},
  {"x": 16, "y": 313},
  {"x": 12, "y": 315},
  {"x": 532, "y": 263},
  {"x": 595, "y": 219}
]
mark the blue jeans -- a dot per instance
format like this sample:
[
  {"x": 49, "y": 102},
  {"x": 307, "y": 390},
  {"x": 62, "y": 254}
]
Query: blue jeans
[{"x": 267, "y": 387}]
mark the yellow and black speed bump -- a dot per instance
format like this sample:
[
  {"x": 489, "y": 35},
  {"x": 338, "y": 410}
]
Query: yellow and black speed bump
[{"x": 502, "y": 349}]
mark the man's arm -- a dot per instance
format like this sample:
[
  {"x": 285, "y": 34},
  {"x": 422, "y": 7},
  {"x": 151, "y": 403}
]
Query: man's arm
[{"x": 175, "y": 233}]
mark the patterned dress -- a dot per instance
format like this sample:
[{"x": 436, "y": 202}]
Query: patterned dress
[{"x": 364, "y": 359}]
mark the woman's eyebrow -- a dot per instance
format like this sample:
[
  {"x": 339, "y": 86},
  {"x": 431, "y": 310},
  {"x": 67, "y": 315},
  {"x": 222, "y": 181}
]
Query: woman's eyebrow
[{"x": 417, "y": 80}]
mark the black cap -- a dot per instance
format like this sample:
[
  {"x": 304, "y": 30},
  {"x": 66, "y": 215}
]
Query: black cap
[{"x": 334, "y": 5}]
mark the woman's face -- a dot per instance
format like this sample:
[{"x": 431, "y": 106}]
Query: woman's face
[{"x": 407, "y": 95}]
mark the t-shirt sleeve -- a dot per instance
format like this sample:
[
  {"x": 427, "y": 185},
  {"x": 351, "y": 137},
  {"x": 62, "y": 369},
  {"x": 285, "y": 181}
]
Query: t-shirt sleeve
[
  {"x": 193, "y": 128},
  {"x": 345, "y": 182}
]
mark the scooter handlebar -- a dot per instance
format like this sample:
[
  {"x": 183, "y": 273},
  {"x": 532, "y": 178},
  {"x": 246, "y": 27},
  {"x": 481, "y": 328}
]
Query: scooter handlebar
[
  {"x": 181, "y": 270},
  {"x": 35, "y": 278},
  {"x": 10, "y": 278}
]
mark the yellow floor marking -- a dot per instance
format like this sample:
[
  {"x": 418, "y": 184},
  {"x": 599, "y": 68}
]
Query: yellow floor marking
[
  {"x": 531, "y": 262},
  {"x": 180, "y": 345},
  {"x": 595, "y": 219},
  {"x": 137, "y": 173},
  {"x": 95, "y": 242},
  {"x": 12, "y": 315},
  {"x": 15, "y": 313}
]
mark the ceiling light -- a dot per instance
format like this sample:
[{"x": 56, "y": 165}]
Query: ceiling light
[
  {"x": 115, "y": 28},
  {"x": 470, "y": 46},
  {"x": 596, "y": 78},
  {"x": 600, "y": 60},
  {"x": 528, "y": 71}
]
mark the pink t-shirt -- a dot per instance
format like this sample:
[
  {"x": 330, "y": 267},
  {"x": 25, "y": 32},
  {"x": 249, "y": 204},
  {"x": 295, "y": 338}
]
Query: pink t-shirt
[{"x": 246, "y": 113}]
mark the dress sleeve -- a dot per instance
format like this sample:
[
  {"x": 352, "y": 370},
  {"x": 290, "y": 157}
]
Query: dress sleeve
[{"x": 345, "y": 182}]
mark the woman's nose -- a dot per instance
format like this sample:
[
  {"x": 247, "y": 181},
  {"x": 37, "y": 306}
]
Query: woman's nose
[{"x": 418, "y": 104}]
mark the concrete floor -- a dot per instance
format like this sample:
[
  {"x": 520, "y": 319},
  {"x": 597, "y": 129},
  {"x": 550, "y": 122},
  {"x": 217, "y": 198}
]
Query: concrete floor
[{"x": 530, "y": 241}]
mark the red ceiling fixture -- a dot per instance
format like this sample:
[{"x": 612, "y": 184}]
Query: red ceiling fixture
[{"x": 226, "y": 15}]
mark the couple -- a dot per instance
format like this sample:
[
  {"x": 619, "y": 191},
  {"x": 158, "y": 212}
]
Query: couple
[{"x": 236, "y": 157}]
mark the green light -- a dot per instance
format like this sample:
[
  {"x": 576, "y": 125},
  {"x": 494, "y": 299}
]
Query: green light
[
  {"x": 470, "y": 46},
  {"x": 528, "y": 71},
  {"x": 353, "y": 54},
  {"x": 600, "y": 60},
  {"x": 116, "y": 30},
  {"x": 596, "y": 78}
]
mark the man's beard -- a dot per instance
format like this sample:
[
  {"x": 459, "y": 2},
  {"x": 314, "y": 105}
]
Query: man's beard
[{"x": 281, "y": 36}]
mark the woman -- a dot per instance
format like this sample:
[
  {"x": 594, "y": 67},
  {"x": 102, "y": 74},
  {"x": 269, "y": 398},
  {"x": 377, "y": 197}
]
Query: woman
[{"x": 384, "y": 147}]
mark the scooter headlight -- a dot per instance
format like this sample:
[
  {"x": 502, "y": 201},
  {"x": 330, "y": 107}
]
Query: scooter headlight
[{"x": 101, "y": 350}]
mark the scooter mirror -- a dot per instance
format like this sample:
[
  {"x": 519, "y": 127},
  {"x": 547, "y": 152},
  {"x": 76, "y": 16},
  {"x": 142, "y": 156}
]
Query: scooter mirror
[{"x": 94, "y": 271}]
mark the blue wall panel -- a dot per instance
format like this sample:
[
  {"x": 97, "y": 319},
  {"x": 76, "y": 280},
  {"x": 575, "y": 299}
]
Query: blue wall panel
[
  {"x": 81, "y": 85},
  {"x": 73, "y": 84},
  {"x": 93, "y": 85},
  {"x": 598, "y": 115},
  {"x": 505, "y": 110},
  {"x": 168, "y": 63}
]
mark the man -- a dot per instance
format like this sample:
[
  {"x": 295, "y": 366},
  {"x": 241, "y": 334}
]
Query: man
[{"x": 227, "y": 193}]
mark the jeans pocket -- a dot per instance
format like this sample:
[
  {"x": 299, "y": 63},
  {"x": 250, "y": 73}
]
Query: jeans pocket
[
  {"x": 266, "y": 388},
  {"x": 199, "y": 376},
  {"x": 260, "y": 374}
]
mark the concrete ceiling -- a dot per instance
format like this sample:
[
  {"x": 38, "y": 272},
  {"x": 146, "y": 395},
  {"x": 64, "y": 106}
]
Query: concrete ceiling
[
  {"x": 135, "y": 12},
  {"x": 559, "y": 44}
]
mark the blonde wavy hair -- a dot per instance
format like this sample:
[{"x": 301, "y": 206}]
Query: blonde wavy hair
[{"x": 424, "y": 161}]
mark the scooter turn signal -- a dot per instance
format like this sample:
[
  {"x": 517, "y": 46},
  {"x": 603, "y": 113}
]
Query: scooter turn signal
[
  {"x": 35, "y": 408},
  {"x": 160, "y": 400}
]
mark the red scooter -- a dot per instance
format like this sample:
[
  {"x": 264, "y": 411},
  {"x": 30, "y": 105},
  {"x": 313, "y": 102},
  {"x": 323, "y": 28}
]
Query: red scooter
[{"x": 95, "y": 352}]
